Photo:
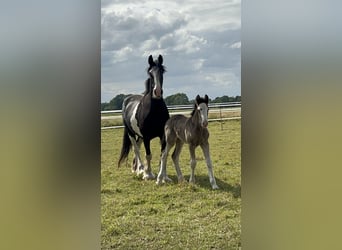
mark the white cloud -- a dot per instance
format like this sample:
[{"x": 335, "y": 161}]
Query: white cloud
[
  {"x": 236, "y": 45},
  {"x": 187, "y": 43},
  {"x": 198, "y": 40}
]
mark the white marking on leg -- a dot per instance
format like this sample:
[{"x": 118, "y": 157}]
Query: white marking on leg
[
  {"x": 163, "y": 161},
  {"x": 140, "y": 165},
  {"x": 162, "y": 176},
  {"x": 137, "y": 153},
  {"x": 148, "y": 175}
]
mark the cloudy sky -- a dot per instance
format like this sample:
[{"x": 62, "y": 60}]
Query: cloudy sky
[{"x": 199, "y": 40}]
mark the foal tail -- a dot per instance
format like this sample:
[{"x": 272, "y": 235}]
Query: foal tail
[{"x": 126, "y": 146}]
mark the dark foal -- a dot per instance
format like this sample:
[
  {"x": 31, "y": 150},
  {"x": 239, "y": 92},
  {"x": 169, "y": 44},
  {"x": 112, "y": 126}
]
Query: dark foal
[{"x": 193, "y": 131}]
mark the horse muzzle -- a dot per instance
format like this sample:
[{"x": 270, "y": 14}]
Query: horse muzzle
[
  {"x": 205, "y": 124},
  {"x": 157, "y": 93}
]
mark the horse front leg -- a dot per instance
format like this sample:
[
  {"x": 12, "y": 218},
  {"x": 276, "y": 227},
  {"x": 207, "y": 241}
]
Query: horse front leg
[
  {"x": 148, "y": 175},
  {"x": 205, "y": 149},
  {"x": 162, "y": 176},
  {"x": 192, "y": 162}
]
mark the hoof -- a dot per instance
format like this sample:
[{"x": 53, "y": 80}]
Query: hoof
[
  {"x": 139, "y": 174},
  {"x": 215, "y": 186},
  {"x": 181, "y": 179},
  {"x": 148, "y": 176},
  {"x": 191, "y": 180},
  {"x": 167, "y": 179},
  {"x": 163, "y": 180}
]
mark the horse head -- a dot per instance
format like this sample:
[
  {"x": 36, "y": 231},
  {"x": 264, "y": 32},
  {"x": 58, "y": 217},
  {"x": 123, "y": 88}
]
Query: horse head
[
  {"x": 201, "y": 105},
  {"x": 156, "y": 71}
]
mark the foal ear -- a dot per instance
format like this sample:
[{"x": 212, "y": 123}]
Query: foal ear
[
  {"x": 197, "y": 99},
  {"x": 160, "y": 59},
  {"x": 206, "y": 99},
  {"x": 150, "y": 60}
]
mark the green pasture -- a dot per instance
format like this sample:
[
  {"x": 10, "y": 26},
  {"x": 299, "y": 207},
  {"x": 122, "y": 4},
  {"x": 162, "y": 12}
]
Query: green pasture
[{"x": 138, "y": 214}]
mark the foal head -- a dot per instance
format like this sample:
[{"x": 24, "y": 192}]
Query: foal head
[
  {"x": 156, "y": 71},
  {"x": 201, "y": 106}
]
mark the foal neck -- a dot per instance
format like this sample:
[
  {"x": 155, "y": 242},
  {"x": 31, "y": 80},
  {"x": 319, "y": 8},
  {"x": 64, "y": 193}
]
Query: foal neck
[{"x": 196, "y": 118}]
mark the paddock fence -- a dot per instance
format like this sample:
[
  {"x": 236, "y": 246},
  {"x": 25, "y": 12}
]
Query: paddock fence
[{"x": 217, "y": 112}]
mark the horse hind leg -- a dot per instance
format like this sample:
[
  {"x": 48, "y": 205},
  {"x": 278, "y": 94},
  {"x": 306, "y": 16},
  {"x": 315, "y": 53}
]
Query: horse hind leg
[
  {"x": 137, "y": 165},
  {"x": 175, "y": 159}
]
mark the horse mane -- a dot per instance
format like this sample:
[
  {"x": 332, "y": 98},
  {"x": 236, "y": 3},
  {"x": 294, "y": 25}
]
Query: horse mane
[{"x": 147, "y": 87}]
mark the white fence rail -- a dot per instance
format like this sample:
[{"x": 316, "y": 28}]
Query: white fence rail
[{"x": 182, "y": 109}]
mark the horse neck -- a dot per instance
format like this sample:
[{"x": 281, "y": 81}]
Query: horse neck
[
  {"x": 148, "y": 87},
  {"x": 195, "y": 118}
]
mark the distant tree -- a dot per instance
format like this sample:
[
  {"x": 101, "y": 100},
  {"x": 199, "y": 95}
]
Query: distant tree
[
  {"x": 226, "y": 98},
  {"x": 221, "y": 99},
  {"x": 177, "y": 99},
  {"x": 104, "y": 106},
  {"x": 115, "y": 103}
]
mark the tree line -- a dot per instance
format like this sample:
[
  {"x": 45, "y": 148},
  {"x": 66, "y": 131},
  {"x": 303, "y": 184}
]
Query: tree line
[{"x": 176, "y": 99}]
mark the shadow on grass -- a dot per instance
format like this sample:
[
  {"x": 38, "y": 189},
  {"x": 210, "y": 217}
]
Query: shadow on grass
[{"x": 203, "y": 182}]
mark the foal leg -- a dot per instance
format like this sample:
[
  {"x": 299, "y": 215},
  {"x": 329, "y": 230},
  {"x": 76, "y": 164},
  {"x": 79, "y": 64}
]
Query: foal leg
[
  {"x": 205, "y": 149},
  {"x": 192, "y": 162},
  {"x": 137, "y": 158},
  {"x": 175, "y": 158},
  {"x": 148, "y": 175}
]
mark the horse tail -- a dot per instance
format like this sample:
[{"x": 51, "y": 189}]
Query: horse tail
[{"x": 126, "y": 146}]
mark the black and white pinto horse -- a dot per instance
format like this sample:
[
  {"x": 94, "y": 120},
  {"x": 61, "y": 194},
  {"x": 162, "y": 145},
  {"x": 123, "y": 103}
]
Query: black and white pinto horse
[
  {"x": 144, "y": 118},
  {"x": 193, "y": 131}
]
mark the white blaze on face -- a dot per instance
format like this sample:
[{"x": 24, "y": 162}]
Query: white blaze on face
[
  {"x": 156, "y": 93},
  {"x": 203, "y": 108}
]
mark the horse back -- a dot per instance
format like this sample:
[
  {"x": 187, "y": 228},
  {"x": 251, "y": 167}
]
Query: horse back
[
  {"x": 179, "y": 126},
  {"x": 175, "y": 127}
]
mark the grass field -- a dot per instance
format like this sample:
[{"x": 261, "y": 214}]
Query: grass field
[{"x": 138, "y": 214}]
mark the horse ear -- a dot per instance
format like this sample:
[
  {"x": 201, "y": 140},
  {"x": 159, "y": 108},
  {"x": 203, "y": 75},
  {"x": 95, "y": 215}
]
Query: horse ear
[
  {"x": 160, "y": 59},
  {"x": 150, "y": 60},
  {"x": 197, "y": 99},
  {"x": 206, "y": 99}
]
